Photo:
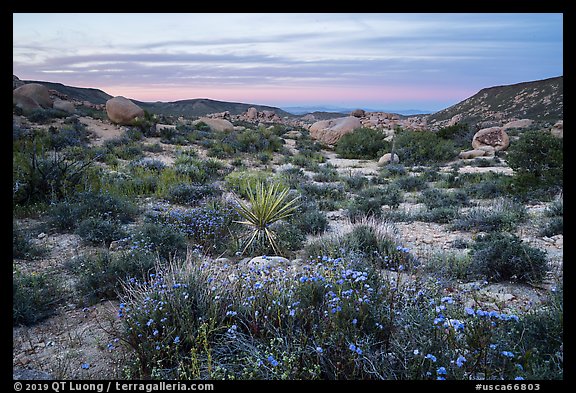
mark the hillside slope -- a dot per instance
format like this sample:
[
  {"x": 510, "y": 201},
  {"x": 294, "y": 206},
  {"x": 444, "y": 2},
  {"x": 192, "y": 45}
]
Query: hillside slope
[{"x": 538, "y": 100}]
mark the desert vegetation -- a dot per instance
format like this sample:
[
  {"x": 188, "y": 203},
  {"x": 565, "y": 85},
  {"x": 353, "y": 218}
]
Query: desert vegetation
[{"x": 256, "y": 254}]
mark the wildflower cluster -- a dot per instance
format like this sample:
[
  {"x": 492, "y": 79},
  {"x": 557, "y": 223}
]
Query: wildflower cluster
[
  {"x": 204, "y": 226},
  {"x": 331, "y": 318}
]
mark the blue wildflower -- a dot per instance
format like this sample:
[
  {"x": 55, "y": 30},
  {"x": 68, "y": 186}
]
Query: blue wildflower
[
  {"x": 441, "y": 371},
  {"x": 508, "y": 354},
  {"x": 431, "y": 357},
  {"x": 319, "y": 350},
  {"x": 352, "y": 347},
  {"x": 460, "y": 361},
  {"x": 469, "y": 311},
  {"x": 518, "y": 379},
  {"x": 354, "y": 321},
  {"x": 177, "y": 340},
  {"x": 85, "y": 366},
  {"x": 272, "y": 361},
  {"x": 447, "y": 299}
]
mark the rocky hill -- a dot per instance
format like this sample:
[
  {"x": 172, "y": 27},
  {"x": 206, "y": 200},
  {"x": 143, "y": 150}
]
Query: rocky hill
[
  {"x": 186, "y": 108},
  {"x": 204, "y": 106},
  {"x": 538, "y": 100}
]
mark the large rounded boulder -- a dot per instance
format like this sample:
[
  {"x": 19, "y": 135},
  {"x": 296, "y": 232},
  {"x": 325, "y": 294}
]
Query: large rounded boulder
[
  {"x": 218, "y": 125},
  {"x": 122, "y": 111},
  {"x": 35, "y": 92},
  {"x": 330, "y": 131},
  {"x": 492, "y": 136}
]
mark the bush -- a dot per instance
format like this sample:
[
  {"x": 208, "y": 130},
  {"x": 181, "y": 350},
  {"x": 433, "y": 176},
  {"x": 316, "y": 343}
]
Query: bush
[
  {"x": 329, "y": 196},
  {"x": 164, "y": 240},
  {"x": 411, "y": 183},
  {"x": 22, "y": 247},
  {"x": 370, "y": 201},
  {"x": 99, "y": 231},
  {"x": 67, "y": 214},
  {"x": 501, "y": 256},
  {"x": 309, "y": 218},
  {"x": 44, "y": 177},
  {"x": 363, "y": 143},
  {"x": 503, "y": 215},
  {"x": 537, "y": 159},
  {"x": 356, "y": 181},
  {"x": 336, "y": 318},
  {"x": 34, "y": 297},
  {"x": 326, "y": 173},
  {"x": 103, "y": 275},
  {"x": 435, "y": 198},
  {"x": 392, "y": 170},
  {"x": 423, "y": 148},
  {"x": 461, "y": 134},
  {"x": 208, "y": 227},
  {"x": 191, "y": 194}
]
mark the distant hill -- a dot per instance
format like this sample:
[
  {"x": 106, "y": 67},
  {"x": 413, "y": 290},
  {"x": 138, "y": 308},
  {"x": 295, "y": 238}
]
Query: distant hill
[
  {"x": 538, "y": 100},
  {"x": 186, "y": 108},
  {"x": 204, "y": 106}
]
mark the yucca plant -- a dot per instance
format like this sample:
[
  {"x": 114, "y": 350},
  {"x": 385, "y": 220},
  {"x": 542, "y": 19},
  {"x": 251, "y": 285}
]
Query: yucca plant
[{"x": 268, "y": 204}]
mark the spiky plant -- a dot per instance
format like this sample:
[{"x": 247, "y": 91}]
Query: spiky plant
[{"x": 268, "y": 204}]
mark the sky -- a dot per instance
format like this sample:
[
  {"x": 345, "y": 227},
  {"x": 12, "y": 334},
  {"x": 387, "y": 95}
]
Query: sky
[{"x": 424, "y": 61}]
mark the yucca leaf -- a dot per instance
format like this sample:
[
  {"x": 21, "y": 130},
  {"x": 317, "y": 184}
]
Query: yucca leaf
[{"x": 267, "y": 205}]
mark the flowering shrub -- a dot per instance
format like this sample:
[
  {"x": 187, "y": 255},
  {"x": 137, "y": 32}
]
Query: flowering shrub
[
  {"x": 332, "y": 318},
  {"x": 206, "y": 226}
]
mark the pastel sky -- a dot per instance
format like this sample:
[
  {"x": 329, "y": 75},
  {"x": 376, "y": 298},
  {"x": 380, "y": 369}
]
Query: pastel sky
[{"x": 394, "y": 61}]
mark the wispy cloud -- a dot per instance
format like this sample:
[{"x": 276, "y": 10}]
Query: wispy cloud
[{"x": 457, "y": 52}]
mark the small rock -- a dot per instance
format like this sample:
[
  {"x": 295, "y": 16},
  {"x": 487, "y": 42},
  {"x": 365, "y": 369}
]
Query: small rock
[
  {"x": 41, "y": 235},
  {"x": 267, "y": 261},
  {"x": 387, "y": 158}
]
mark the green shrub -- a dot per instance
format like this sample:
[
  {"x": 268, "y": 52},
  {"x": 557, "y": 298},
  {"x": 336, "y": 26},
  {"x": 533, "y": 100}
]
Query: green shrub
[
  {"x": 241, "y": 181},
  {"x": 411, "y": 183},
  {"x": 309, "y": 218},
  {"x": 104, "y": 274},
  {"x": 356, "y": 181},
  {"x": 370, "y": 201},
  {"x": 501, "y": 256},
  {"x": 537, "y": 159},
  {"x": 67, "y": 214},
  {"x": 554, "y": 226},
  {"x": 502, "y": 215},
  {"x": 461, "y": 134},
  {"x": 39, "y": 176},
  {"x": 44, "y": 116},
  {"x": 423, "y": 148},
  {"x": 191, "y": 193},
  {"x": 448, "y": 265},
  {"x": 22, "y": 247},
  {"x": 540, "y": 335},
  {"x": 164, "y": 240},
  {"x": 441, "y": 215},
  {"x": 98, "y": 231},
  {"x": 392, "y": 170},
  {"x": 363, "y": 143},
  {"x": 326, "y": 173},
  {"x": 35, "y": 296},
  {"x": 435, "y": 198},
  {"x": 292, "y": 176}
]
